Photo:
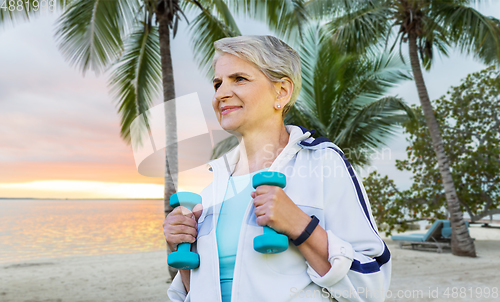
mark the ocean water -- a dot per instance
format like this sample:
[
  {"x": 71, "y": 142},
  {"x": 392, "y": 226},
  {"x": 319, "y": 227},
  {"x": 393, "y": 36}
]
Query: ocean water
[{"x": 37, "y": 228}]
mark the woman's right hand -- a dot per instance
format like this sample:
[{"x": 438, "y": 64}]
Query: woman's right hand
[{"x": 181, "y": 225}]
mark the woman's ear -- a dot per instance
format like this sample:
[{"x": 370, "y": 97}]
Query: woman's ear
[{"x": 284, "y": 89}]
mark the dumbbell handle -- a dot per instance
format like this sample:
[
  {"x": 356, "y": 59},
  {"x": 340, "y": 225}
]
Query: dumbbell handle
[
  {"x": 268, "y": 230},
  {"x": 270, "y": 242},
  {"x": 184, "y": 247},
  {"x": 183, "y": 258}
]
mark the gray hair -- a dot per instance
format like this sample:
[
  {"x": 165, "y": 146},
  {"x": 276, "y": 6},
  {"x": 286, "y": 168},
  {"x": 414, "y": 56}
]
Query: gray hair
[{"x": 273, "y": 57}]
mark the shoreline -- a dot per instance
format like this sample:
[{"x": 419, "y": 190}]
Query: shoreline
[{"x": 138, "y": 277}]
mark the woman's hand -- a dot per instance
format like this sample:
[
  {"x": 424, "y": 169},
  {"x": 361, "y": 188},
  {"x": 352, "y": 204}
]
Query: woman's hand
[
  {"x": 275, "y": 209},
  {"x": 181, "y": 225}
]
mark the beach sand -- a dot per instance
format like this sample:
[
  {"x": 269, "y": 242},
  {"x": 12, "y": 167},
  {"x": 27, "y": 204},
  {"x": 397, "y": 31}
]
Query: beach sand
[
  {"x": 430, "y": 276},
  {"x": 144, "y": 276},
  {"x": 139, "y": 277}
]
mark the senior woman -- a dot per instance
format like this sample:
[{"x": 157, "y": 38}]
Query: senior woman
[{"x": 341, "y": 257}]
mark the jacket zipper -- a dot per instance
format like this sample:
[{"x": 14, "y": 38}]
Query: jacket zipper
[
  {"x": 217, "y": 177},
  {"x": 274, "y": 167}
]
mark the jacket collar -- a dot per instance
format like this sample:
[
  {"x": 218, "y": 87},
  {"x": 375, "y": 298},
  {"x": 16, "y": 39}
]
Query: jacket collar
[{"x": 297, "y": 134}]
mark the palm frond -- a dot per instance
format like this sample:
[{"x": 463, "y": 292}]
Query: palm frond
[
  {"x": 136, "y": 80},
  {"x": 328, "y": 9},
  {"x": 13, "y": 14},
  {"x": 222, "y": 12},
  {"x": 298, "y": 115},
  {"x": 191, "y": 6},
  {"x": 309, "y": 57},
  {"x": 325, "y": 74},
  {"x": 285, "y": 18},
  {"x": 434, "y": 38},
  {"x": 372, "y": 112},
  {"x": 339, "y": 89},
  {"x": 322, "y": 9},
  {"x": 208, "y": 28},
  {"x": 377, "y": 75},
  {"x": 470, "y": 31},
  {"x": 370, "y": 127},
  {"x": 358, "y": 31},
  {"x": 89, "y": 33}
]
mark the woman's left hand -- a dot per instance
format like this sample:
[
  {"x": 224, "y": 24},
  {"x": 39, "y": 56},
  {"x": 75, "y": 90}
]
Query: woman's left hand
[{"x": 275, "y": 209}]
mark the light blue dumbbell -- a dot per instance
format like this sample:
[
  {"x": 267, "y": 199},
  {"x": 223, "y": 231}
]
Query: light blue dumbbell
[
  {"x": 183, "y": 258},
  {"x": 270, "y": 242}
]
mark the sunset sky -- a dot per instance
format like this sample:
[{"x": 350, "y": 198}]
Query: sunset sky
[{"x": 60, "y": 131}]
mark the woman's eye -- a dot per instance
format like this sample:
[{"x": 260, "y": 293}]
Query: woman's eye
[{"x": 237, "y": 80}]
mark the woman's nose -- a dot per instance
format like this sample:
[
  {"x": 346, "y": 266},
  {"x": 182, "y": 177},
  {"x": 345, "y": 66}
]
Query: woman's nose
[{"x": 222, "y": 92}]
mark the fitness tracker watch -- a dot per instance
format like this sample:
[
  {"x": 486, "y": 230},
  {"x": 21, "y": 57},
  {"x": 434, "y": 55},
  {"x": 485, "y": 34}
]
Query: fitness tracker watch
[{"x": 307, "y": 232}]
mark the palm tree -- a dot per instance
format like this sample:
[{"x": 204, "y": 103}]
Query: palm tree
[
  {"x": 286, "y": 18},
  {"x": 343, "y": 97},
  {"x": 92, "y": 32},
  {"x": 133, "y": 37},
  {"x": 427, "y": 26}
]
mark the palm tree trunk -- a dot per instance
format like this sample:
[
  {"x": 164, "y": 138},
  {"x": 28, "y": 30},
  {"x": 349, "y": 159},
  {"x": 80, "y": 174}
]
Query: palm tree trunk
[
  {"x": 461, "y": 242},
  {"x": 171, "y": 164}
]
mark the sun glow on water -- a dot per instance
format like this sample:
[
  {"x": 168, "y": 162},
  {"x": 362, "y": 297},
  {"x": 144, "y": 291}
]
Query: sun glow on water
[{"x": 81, "y": 189}]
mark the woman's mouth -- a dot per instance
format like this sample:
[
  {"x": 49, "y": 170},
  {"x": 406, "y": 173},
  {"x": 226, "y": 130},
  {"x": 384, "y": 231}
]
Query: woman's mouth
[{"x": 226, "y": 110}]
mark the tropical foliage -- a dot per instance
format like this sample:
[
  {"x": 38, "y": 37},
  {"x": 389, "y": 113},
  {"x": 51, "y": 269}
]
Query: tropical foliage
[
  {"x": 97, "y": 35},
  {"x": 365, "y": 25},
  {"x": 428, "y": 26},
  {"x": 468, "y": 119},
  {"x": 286, "y": 18},
  {"x": 343, "y": 97},
  {"x": 132, "y": 39}
]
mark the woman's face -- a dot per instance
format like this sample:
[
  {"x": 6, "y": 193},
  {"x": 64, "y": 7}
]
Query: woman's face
[{"x": 244, "y": 97}]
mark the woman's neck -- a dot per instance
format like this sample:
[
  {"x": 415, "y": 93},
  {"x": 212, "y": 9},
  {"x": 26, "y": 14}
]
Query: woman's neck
[{"x": 259, "y": 149}]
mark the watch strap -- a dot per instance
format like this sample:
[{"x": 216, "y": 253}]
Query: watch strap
[{"x": 307, "y": 232}]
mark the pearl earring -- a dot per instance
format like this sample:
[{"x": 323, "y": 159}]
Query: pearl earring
[{"x": 279, "y": 106}]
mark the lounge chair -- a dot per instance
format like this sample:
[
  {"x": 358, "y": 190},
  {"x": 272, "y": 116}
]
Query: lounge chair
[{"x": 437, "y": 238}]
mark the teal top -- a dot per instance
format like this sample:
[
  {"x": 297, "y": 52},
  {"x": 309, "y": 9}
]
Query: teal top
[{"x": 231, "y": 215}]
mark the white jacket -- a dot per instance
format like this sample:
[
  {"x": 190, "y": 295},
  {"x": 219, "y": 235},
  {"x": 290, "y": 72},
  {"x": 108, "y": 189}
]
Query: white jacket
[{"x": 321, "y": 182}]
